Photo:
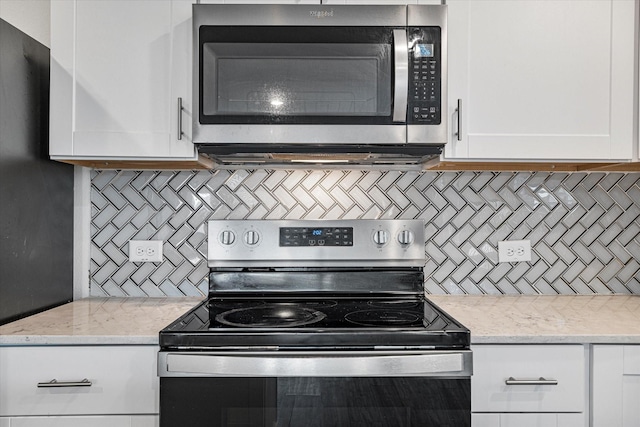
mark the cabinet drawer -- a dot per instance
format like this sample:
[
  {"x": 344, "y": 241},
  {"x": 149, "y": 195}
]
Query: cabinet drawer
[
  {"x": 84, "y": 421},
  {"x": 495, "y": 364},
  {"x": 123, "y": 380}
]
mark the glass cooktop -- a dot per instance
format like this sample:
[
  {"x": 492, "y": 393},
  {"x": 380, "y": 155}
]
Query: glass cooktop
[{"x": 371, "y": 322}]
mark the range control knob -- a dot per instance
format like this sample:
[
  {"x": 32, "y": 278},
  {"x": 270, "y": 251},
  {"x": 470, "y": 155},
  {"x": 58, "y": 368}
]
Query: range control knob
[
  {"x": 227, "y": 237},
  {"x": 251, "y": 237},
  {"x": 405, "y": 238},
  {"x": 381, "y": 237}
]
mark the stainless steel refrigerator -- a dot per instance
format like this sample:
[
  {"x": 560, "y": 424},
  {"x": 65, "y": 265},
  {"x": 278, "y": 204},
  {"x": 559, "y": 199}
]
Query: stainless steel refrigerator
[{"x": 36, "y": 194}]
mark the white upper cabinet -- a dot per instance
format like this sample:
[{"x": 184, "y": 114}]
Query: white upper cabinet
[
  {"x": 117, "y": 70},
  {"x": 541, "y": 79},
  {"x": 181, "y": 76}
]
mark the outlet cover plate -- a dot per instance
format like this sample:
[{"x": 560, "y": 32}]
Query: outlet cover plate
[
  {"x": 145, "y": 250},
  {"x": 514, "y": 251}
]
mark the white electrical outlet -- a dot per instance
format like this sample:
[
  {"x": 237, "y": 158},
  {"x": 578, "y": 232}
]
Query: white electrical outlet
[
  {"x": 514, "y": 251},
  {"x": 145, "y": 250}
]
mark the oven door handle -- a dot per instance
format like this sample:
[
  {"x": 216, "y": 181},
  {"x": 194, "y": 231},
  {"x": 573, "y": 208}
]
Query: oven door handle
[
  {"x": 401, "y": 86},
  {"x": 315, "y": 364}
]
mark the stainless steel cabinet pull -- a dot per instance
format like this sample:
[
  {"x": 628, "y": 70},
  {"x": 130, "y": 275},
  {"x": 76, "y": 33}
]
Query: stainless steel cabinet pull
[
  {"x": 180, "y": 119},
  {"x": 539, "y": 381},
  {"x": 459, "y": 112},
  {"x": 54, "y": 383}
]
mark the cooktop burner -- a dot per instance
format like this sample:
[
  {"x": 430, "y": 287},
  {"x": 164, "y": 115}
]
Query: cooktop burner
[
  {"x": 280, "y": 315},
  {"x": 382, "y": 318}
]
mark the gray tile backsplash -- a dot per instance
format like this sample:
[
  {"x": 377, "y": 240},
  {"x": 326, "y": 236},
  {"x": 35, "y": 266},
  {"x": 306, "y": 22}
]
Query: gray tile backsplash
[{"x": 584, "y": 227}]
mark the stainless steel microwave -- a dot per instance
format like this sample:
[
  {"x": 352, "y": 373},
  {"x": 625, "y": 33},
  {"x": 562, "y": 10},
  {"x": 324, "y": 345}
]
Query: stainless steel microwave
[{"x": 344, "y": 83}]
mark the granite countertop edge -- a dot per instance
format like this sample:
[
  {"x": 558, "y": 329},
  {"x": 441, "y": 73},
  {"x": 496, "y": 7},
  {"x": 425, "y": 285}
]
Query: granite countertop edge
[
  {"x": 601, "y": 319},
  {"x": 559, "y": 339},
  {"x": 75, "y": 340}
]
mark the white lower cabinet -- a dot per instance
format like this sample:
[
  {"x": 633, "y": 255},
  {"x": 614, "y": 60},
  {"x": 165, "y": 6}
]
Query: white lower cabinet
[
  {"x": 80, "y": 421},
  {"x": 72, "y": 386},
  {"x": 615, "y": 396},
  {"x": 528, "y": 420},
  {"x": 529, "y": 385}
]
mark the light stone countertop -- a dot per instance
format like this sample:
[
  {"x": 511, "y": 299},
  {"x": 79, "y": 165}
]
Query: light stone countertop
[
  {"x": 491, "y": 319},
  {"x": 601, "y": 319},
  {"x": 97, "y": 321}
]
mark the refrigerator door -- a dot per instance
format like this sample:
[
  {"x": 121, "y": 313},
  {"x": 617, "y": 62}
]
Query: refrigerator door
[{"x": 36, "y": 194}]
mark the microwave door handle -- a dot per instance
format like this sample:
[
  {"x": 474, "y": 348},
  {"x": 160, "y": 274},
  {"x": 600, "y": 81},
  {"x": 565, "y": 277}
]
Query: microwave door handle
[{"x": 401, "y": 84}]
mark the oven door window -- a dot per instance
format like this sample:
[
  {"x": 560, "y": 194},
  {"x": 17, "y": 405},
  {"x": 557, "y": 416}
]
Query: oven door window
[
  {"x": 315, "y": 402},
  {"x": 296, "y": 75}
]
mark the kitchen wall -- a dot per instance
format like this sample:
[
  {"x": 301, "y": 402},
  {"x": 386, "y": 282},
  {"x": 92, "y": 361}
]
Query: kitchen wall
[
  {"x": 30, "y": 16},
  {"x": 584, "y": 227}
]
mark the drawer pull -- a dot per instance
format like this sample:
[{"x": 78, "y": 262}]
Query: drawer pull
[
  {"x": 54, "y": 383},
  {"x": 539, "y": 381}
]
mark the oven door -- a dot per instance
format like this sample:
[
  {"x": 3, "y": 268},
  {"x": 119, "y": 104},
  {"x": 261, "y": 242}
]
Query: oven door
[{"x": 355, "y": 389}]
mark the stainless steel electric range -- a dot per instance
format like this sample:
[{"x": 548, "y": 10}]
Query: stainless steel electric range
[{"x": 315, "y": 323}]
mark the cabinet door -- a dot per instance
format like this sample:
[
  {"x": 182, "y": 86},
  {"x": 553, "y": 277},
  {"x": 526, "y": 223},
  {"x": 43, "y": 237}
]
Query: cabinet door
[
  {"x": 112, "y": 80},
  {"x": 541, "y": 79},
  {"x": 145, "y": 421},
  {"x": 616, "y": 386},
  {"x": 181, "y": 75},
  {"x": 528, "y": 420}
]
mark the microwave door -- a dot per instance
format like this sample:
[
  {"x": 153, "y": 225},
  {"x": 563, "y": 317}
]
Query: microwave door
[{"x": 307, "y": 79}]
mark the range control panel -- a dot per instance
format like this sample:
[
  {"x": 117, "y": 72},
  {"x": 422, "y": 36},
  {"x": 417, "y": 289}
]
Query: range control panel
[
  {"x": 316, "y": 236},
  {"x": 425, "y": 76},
  {"x": 294, "y": 243}
]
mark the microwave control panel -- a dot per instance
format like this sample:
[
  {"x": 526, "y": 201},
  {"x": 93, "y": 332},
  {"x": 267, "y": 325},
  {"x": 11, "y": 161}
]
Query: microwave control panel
[{"x": 425, "y": 76}]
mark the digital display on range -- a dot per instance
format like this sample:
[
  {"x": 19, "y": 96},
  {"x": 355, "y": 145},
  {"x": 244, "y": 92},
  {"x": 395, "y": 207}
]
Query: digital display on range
[{"x": 316, "y": 236}]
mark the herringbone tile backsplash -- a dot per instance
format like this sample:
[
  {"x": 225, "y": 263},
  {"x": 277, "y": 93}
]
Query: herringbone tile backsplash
[{"x": 584, "y": 228}]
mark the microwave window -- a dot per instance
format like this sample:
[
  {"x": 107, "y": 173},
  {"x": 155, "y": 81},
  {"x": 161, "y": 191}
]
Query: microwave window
[{"x": 296, "y": 79}]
